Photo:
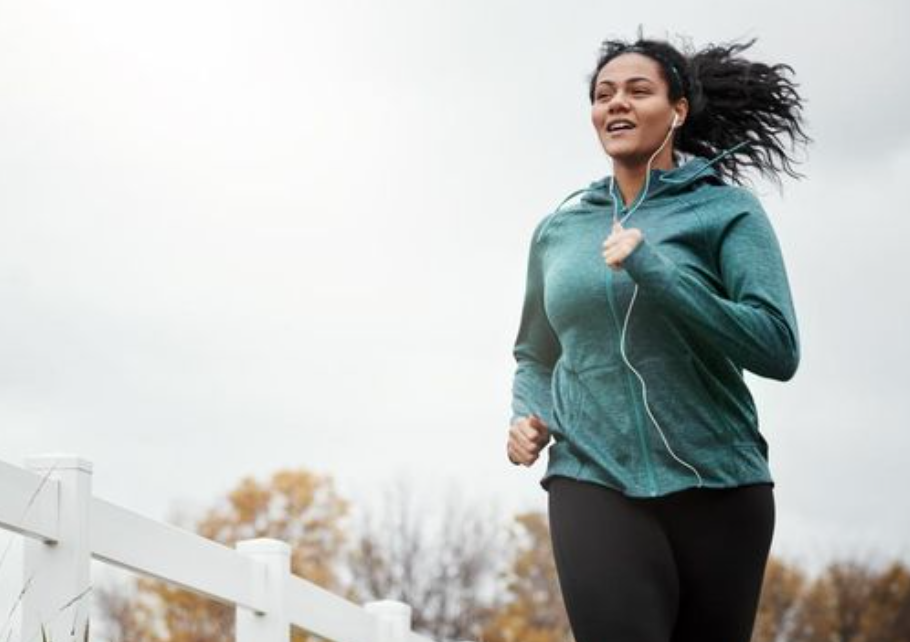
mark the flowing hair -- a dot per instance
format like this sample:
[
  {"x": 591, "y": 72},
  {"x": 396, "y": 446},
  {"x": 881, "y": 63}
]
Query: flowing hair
[{"x": 731, "y": 100}]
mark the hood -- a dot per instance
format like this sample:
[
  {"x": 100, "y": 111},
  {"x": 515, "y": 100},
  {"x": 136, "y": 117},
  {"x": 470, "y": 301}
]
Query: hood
[{"x": 662, "y": 183}]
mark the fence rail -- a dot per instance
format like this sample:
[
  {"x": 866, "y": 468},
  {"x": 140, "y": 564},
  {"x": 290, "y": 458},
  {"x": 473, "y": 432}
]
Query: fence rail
[{"x": 64, "y": 526}]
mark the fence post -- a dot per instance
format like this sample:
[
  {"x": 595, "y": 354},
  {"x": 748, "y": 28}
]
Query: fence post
[
  {"x": 57, "y": 575},
  {"x": 393, "y": 620},
  {"x": 271, "y": 580}
]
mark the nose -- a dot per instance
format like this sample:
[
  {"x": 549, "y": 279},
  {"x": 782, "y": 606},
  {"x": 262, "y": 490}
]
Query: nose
[{"x": 617, "y": 103}]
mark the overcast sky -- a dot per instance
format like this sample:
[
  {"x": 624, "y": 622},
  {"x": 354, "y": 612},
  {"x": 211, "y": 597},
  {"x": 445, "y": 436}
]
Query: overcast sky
[{"x": 241, "y": 236}]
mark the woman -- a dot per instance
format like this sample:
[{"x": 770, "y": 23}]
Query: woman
[{"x": 644, "y": 304}]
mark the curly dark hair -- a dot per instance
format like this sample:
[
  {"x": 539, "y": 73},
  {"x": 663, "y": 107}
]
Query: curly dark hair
[{"x": 731, "y": 100}]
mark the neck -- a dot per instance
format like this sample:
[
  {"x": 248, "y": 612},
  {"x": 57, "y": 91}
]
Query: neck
[{"x": 630, "y": 175}]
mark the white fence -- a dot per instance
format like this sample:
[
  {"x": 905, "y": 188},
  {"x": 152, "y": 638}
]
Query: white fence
[{"x": 51, "y": 504}]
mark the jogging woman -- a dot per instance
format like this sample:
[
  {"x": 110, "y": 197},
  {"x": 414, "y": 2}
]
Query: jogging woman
[{"x": 645, "y": 302}]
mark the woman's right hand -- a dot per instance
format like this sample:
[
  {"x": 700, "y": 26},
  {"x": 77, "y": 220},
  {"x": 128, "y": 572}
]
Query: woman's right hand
[{"x": 527, "y": 437}]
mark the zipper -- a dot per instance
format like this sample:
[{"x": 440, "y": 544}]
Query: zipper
[{"x": 649, "y": 466}]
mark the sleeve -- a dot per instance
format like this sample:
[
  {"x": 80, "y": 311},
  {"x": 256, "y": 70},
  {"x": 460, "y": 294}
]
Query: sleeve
[
  {"x": 756, "y": 326},
  {"x": 536, "y": 348}
]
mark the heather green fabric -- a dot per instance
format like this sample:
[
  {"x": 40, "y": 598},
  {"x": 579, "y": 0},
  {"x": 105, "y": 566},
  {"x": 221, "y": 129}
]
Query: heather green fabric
[{"x": 713, "y": 300}]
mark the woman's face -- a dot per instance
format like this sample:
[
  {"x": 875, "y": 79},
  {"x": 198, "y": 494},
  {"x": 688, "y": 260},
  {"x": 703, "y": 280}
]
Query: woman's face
[{"x": 632, "y": 112}]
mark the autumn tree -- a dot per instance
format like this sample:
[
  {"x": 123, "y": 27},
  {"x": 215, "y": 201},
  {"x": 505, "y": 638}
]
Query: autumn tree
[
  {"x": 851, "y": 601},
  {"x": 295, "y": 506},
  {"x": 442, "y": 562},
  {"x": 887, "y": 618},
  {"x": 780, "y": 598},
  {"x": 126, "y": 614},
  {"x": 533, "y": 610}
]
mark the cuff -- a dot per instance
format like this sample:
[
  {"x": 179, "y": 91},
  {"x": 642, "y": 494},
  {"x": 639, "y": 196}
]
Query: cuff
[{"x": 650, "y": 268}]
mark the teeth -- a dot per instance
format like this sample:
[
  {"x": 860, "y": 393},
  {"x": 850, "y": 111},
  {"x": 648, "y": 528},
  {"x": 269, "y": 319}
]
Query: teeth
[{"x": 623, "y": 125}]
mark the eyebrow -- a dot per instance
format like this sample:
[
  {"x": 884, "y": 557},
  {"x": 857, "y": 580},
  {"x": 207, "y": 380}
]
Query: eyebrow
[{"x": 629, "y": 81}]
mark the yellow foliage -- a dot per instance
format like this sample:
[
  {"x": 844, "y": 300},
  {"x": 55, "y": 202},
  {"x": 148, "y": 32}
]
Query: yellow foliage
[
  {"x": 295, "y": 506},
  {"x": 534, "y": 611},
  {"x": 781, "y": 593}
]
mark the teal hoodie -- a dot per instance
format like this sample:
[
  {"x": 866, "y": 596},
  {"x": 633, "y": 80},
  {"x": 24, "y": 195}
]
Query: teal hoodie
[{"x": 712, "y": 300}]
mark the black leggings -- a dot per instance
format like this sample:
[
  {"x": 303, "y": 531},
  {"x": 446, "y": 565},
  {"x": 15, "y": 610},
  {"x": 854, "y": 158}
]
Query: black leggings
[{"x": 686, "y": 567}]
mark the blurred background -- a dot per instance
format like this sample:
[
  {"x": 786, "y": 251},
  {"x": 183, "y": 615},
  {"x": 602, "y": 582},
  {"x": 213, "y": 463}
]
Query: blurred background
[{"x": 238, "y": 238}]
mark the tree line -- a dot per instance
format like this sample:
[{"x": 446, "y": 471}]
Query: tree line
[{"x": 467, "y": 573}]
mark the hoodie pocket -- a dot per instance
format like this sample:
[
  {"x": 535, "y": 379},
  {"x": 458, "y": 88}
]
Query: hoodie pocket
[
  {"x": 714, "y": 399},
  {"x": 594, "y": 389},
  {"x": 609, "y": 419},
  {"x": 563, "y": 399},
  {"x": 572, "y": 402}
]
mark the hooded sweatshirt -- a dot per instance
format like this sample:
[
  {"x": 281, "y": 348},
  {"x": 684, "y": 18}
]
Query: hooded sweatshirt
[{"x": 712, "y": 300}]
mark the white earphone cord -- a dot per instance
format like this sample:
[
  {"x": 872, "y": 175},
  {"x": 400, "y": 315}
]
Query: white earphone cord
[{"x": 625, "y": 325}]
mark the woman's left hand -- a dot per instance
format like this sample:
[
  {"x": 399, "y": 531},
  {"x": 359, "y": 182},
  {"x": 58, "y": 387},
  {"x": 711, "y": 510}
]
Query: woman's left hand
[{"x": 620, "y": 244}]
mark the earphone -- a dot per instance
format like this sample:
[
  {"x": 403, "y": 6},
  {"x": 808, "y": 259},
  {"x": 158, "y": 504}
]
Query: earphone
[
  {"x": 616, "y": 201},
  {"x": 625, "y": 325}
]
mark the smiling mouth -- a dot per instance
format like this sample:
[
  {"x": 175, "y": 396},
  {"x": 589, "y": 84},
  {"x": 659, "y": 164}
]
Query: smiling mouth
[{"x": 619, "y": 131}]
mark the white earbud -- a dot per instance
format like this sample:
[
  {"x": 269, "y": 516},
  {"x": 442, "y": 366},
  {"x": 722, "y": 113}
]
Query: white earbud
[{"x": 676, "y": 122}]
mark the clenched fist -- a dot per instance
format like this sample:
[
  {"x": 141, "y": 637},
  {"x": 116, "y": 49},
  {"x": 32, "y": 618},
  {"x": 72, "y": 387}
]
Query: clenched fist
[
  {"x": 620, "y": 244},
  {"x": 527, "y": 437}
]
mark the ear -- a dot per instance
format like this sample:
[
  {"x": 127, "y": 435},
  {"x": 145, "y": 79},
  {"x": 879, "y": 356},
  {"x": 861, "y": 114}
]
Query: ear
[{"x": 681, "y": 108}]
